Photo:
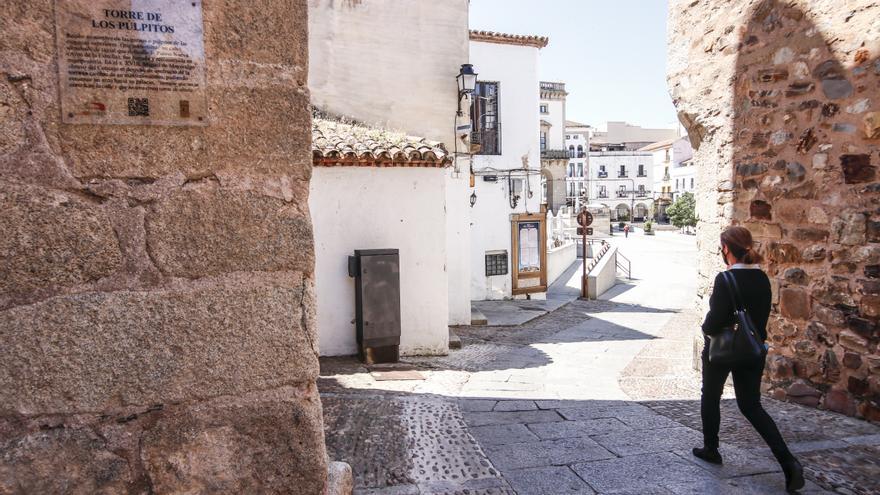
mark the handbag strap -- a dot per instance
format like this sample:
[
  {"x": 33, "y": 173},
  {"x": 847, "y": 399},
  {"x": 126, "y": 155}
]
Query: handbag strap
[{"x": 733, "y": 290}]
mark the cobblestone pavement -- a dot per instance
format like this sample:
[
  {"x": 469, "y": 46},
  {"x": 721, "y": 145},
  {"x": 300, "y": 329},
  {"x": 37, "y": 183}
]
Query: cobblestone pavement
[{"x": 594, "y": 397}]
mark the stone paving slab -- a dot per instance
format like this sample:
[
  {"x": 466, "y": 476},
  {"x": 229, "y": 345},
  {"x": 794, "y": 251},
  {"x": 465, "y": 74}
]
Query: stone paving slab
[
  {"x": 515, "y": 405},
  {"x": 502, "y": 434},
  {"x": 546, "y": 453},
  {"x": 546, "y": 480},
  {"x": 575, "y": 429},
  {"x": 503, "y": 418},
  {"x": 650, "y": 441},
  {"x": 614, "y": 410},
  {"x": 737, "y": 462},
  {"x": 638, "y": 473}
]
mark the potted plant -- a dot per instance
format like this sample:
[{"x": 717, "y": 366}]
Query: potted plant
[{"x": 649, "y": 227}]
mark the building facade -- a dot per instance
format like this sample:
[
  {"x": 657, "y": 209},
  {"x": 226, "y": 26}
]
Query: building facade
[
  {"x": 673, "y": 173},
  {"x": 621, "y": 136},
  {"x": 508, "y": 227},
  {"x": 622, "y": 180},
  {"x": 362, "y": 197},
  {"x": 554, "y": 156},
  {"x": 577, "y": 144}
]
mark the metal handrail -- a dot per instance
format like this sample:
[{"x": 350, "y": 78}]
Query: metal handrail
[{"x": 627, "y": 270}]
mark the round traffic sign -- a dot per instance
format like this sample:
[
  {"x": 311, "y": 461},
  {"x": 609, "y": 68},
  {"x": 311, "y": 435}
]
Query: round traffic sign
[{"x": 585, "y": 218}]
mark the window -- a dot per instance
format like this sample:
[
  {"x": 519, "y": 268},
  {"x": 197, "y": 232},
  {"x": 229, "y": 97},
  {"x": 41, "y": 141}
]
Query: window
[
  {"x": 622, "y": 172},
  {"x": 580, "y": 153},
  {"x": 641, "y": 170},
  {"x": 571, "y": 151},
  {"x": 667, "y": 155},
  {"x": 543, "y": 140},
  {"x": 603, "y": 193},
  {"x": 571, "y": 189},
  {"x": 575, "y": 136},
  {"x": 484, "y": 118},
  {"x": 496, "y": 263},
  {"x": 580, "y": 169},
  {"x": 621, "y": 191},
  {"x": 568, "y": 136},
  {"x": 571, "y": 169},
  {"x": 544, "y": 109},
  {"x": 642, "y": 190},
  {"x": 676, "y": 184},
  {"x": 692, "y": 182}
]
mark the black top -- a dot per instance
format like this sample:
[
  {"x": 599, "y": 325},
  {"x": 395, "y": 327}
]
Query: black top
[{"x": 754, "y": 289}]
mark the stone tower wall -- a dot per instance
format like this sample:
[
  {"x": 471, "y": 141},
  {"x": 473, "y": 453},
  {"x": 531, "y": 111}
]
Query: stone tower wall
[
  {"x": 156, "y": 297},
  {"x": 782, "y": 103}
]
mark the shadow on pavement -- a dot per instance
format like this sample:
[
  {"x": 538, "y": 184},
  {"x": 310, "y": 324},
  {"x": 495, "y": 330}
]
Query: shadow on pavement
[{"x": 402, "y": 443}]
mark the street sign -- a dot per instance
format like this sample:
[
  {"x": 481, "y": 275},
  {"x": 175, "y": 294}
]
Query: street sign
[
  {"x": 585, "y": 218},
  {"x": 585, "y": 231}
]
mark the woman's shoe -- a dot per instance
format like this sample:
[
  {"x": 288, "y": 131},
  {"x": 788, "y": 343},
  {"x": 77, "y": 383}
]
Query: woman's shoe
[
  {"x": 794, "y": 475},
  {"x": 708, "y": 455}
]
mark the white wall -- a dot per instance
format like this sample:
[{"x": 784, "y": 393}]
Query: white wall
[
  {"x": 604, "y": 275},
  {"x": 515, "y": 67},
  {"x": 403, "y": 82},
  {"x": 556, "y": 117},
  {"x": 390, "y": 63},
  {"x": 458, "y": 245},
  {"x": 560, "y": 259},
  {"x": 374, "y": 208}
]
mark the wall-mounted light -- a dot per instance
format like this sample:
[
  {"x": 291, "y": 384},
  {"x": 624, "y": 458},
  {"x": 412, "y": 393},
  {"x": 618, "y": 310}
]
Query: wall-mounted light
[
  {"x": 467, "y": 82},
  {"x": 473, "y": 198}
]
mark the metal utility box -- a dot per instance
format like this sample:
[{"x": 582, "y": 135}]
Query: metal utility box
[{"x": 377, "y": 303}]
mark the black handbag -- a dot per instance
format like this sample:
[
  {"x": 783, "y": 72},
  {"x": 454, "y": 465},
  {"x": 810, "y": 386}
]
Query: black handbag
[{"x": 738, "y": 343}]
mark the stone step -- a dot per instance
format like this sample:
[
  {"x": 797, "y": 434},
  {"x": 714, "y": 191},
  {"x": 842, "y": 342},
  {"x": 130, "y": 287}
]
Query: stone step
[
  {"x": 478, "y": 318},
  {"x": 454, "y": 340}
]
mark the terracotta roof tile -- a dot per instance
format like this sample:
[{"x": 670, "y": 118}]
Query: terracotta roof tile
[
  {"x": 335, "y": 142},
  {"x": 510, "y": 39}
]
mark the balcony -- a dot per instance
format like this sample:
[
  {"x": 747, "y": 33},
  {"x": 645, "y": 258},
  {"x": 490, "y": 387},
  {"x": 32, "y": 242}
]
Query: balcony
[
  {"x": 552, "y": 86},
  {"x": 554, "y": 154},
  {"x": 641, "y": 194},
  {"x": 486, "y": 141},
  {"x": 603, "y": 195},
  {"x": 602, "y": 175},
  {"x": 622, "y": 175},
  {"x": 622, "y": 194},
  {"x": 642, "y": 175}
]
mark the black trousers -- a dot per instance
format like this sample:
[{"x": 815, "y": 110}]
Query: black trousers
[{"x": 747, "y": 385}]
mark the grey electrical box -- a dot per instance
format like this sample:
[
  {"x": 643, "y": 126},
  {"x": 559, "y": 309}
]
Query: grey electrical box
[{"x": 377, "y": 303}]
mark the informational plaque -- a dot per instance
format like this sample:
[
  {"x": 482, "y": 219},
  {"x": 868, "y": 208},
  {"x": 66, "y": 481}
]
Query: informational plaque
[{"x": 131, "y": 62}]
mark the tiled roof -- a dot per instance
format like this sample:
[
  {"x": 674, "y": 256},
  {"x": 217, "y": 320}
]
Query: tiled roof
[
  {"x": 510, "y": 39},
  {"x": 339, "y": 143},
  {"x": 659, "y": 145}
]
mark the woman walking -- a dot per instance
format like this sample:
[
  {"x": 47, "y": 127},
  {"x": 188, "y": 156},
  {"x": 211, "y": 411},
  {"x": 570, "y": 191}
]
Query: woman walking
[{"x": 749, "y": 289}]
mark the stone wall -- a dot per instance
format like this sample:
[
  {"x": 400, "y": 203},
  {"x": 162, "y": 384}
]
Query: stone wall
[
  {"x": 782, "y": 102},
  {"x": 156, "y": 298}
]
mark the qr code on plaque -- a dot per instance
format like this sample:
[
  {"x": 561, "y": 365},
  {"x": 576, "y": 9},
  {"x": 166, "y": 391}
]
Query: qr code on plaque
[{"x": 138, "y": 107}]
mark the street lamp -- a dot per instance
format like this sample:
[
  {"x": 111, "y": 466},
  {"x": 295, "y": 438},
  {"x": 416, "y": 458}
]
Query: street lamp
[
  {"x": 473, "y": 199},
  {"x": 467, "y": 82}
]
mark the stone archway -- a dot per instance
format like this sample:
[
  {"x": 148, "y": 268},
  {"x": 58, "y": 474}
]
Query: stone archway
[{"x": 785, "y": 127}]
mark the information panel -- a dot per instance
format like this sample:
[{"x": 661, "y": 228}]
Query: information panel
[{"x": 131, "y": 62}]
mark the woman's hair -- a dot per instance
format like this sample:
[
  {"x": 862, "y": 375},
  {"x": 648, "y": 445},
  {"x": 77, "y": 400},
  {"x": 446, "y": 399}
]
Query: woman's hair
[{"x": 739, "y": 241}]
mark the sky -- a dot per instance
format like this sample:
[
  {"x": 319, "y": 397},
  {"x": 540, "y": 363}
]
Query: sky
[{"x": 611, "y": 54}]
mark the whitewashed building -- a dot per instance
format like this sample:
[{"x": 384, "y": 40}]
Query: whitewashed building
[
  {"x": 622, "y": 136},
  {"x": 577, "y": 142},
  {"x": 622, "y": 180},
  {"x": 672, "y": 172},
  {"x": 372, "y": 186},
  {"x": 508, "y": 220},
  {"x": 554, "y": 155}
]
